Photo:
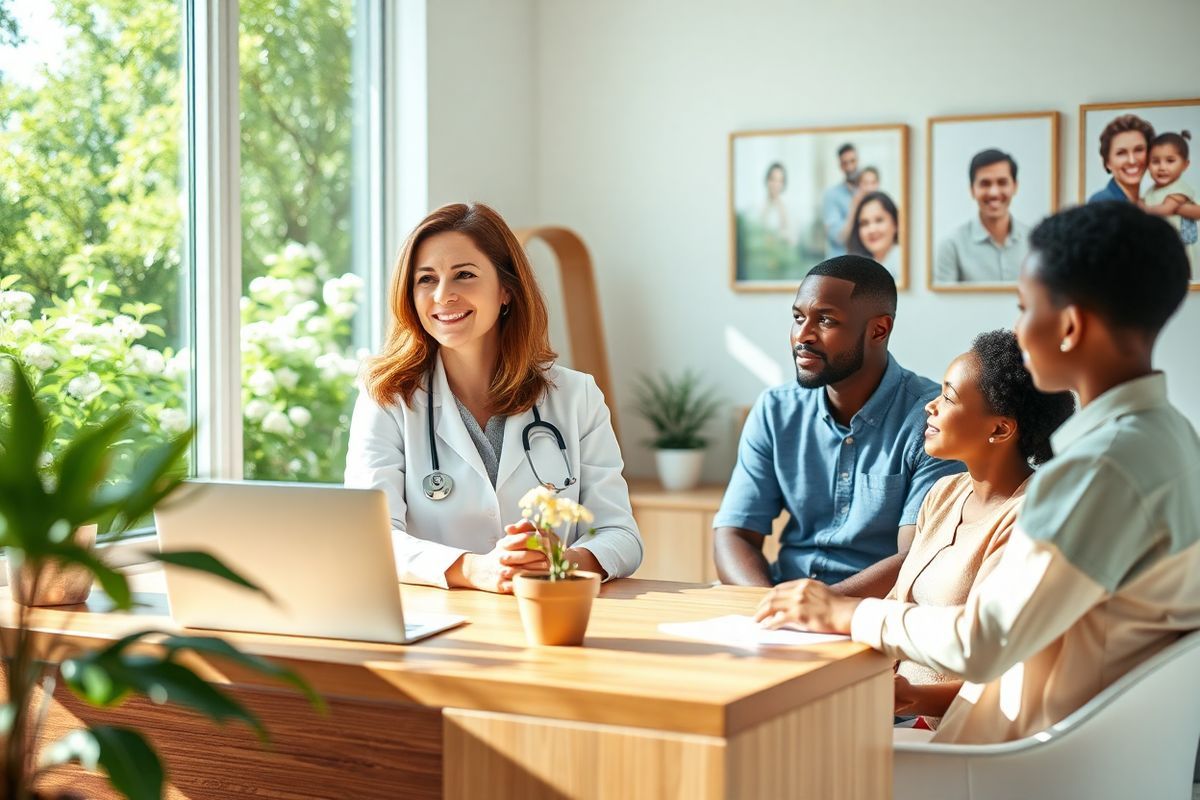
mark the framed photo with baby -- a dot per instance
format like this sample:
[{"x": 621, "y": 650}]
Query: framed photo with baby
[
  {"x": 1140, "y": 152},
  {"x": 989, "y": 179},
  {"x": 799, "y": 196}
]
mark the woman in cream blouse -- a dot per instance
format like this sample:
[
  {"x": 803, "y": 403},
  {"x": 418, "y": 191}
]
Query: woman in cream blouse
[{"x": 991, "y": 418}]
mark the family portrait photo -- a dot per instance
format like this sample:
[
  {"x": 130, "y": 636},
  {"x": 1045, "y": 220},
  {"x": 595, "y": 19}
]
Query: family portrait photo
[
  {"x": 1140, "y": 152},
  {"x": 800, "y": 196},
  {"x": 989, "y": 180}
]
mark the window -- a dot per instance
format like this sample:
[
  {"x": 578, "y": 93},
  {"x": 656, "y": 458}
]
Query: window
[
  {"x": 301, "y": 139},
  {"x": 92, "y": 277},
  {"x": 132, "y": 132}
]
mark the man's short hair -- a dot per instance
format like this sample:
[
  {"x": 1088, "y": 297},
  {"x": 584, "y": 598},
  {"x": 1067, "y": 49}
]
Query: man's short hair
[
  {"x": 1113, "y": 258},
  {"x": 872, "y": 282},
  {"x": 846, "y": 148},
  {"x": 986, "y": 158}
]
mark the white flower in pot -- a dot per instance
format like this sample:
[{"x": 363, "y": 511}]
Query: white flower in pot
[
  {"x": 555, "y": 604},
  {"x": 678, "y": 409}
]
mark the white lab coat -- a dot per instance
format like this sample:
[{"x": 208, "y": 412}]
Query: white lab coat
[{"x": 389, "y": 450}]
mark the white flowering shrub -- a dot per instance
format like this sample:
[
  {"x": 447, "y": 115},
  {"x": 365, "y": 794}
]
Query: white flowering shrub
[
  {"x": 298, "y": 367},
  {"x": 87, "y": 354},
  {"x": 85, "y": 359}
]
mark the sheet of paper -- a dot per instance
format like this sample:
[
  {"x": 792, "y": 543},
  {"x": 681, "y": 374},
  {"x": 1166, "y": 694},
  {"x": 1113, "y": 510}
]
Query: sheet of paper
[{"x": 736, "y": 630}]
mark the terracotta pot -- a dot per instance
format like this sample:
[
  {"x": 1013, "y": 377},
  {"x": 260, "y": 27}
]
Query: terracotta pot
[
  {"x": 555, "y": 612},
  {"x": 60, "y": 585}
]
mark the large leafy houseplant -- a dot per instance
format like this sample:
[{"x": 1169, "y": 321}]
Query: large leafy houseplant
[{"x": 41, "y": 505}]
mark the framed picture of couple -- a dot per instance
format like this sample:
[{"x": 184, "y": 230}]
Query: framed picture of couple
[
  {"x": 1141, "y": 153},
  {"x": 799, "y": 196},
  {"x": 989, "y": 179}
]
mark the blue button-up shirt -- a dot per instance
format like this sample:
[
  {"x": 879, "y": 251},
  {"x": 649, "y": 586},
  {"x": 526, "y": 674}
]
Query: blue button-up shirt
[
  {"x": 846, "y": 490},
  {"x": 1111, "y": 191}
]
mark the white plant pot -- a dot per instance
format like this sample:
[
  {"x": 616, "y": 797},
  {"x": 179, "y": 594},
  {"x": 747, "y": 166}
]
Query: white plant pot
[{"x": 679, "y": 470}]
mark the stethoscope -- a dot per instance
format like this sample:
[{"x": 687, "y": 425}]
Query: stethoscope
[{"x": 438, "y": 485}]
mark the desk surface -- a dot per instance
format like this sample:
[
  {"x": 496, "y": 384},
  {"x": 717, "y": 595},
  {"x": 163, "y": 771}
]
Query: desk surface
[{"x": 628, "y": 673}]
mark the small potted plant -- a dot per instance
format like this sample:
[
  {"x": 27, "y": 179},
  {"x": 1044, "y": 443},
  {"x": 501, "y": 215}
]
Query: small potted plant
[
  {"x": 678, "y": 409},
  {"x": 555, "y": 603}
]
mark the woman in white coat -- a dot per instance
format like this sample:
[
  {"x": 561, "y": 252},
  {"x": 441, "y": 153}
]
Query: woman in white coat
[{"x": 469, "y": 319}]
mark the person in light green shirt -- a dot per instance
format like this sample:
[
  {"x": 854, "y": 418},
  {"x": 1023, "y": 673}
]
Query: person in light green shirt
[
  {"x": 989, "y": 247},
  {"x": 1102, "y": 570}
]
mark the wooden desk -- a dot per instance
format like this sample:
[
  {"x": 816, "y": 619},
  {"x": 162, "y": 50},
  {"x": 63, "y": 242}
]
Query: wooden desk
[
  {"x": 677, "y": 531},
  {"x": 475, "y": 713}
]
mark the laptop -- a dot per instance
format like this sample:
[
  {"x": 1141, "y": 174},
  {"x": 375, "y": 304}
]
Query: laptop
[{"x": 322, "y": 553}]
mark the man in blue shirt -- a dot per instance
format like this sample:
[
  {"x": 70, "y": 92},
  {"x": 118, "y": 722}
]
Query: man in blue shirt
[
  {"x": 838, "y": 200},
  {"x": 842, "y": 449}
]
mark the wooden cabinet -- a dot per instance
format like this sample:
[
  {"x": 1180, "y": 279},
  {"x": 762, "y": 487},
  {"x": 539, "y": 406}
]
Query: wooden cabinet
[{"x": 677, "y": 531}]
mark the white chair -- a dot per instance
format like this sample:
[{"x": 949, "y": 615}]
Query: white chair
[{"x": 1136, "y": 739}]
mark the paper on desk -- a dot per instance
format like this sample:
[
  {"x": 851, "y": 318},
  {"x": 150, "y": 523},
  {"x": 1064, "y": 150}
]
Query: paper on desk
[{"x": 741, "y": 631}]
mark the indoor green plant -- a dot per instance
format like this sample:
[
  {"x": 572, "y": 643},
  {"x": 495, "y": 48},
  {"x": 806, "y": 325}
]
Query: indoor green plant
[
  {"x": 40, "y": 507},
  {"x": 555, "y": 603},
  {"x": 678, "y": 408}
]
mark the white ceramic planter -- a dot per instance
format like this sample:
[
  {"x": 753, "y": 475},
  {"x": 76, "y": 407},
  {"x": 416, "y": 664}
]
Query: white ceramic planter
[{"x": 679, "y": 469}]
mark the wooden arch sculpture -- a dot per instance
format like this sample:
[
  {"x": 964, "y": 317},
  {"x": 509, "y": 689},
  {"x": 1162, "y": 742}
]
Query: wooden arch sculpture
[{"x": 585, "y": 328}]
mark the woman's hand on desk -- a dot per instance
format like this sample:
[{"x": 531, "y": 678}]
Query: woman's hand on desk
[
  {"x": 581, "y": 557},
  {"x": 493, "y": 571},
  {"x": 515, "y": 556},
  {"x": 809, "y": 604}
]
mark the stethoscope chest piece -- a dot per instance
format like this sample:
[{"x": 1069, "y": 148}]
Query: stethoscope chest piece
[{"x": 437, "y": 485}]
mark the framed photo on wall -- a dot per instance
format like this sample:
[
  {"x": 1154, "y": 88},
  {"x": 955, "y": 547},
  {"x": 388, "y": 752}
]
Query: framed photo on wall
[
  {"x": 799, "y": 196},
  {"x": 1143, "y": 152},
  {"x": 989, "y": 180}
]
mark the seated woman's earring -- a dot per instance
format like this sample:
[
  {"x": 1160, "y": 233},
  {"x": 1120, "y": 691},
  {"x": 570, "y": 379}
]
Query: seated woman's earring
[
  {"x": 991, "y": 440},
  {"x": 1065, "y": 346},
  {"x": 504, "y": 309}
]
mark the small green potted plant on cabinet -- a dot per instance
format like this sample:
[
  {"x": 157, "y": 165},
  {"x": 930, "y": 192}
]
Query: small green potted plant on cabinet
[{"x": 678, "y": 409}]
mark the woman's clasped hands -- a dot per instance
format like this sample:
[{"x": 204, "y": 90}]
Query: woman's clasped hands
[
  {"x": 807, "y": 604},
  {"x": 494, "y": 570}
]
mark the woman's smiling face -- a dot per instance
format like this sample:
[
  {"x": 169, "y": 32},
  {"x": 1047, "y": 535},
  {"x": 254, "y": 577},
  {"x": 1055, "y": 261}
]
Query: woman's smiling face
[
  {"x": 958, "y": 421},
  {"x": 456, "y": 290},
  {"x": 1127, "y": 157},
  {"x": 876, "y": 228}
]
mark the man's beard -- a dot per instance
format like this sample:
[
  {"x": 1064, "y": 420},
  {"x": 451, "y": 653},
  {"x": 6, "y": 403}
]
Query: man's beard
[{"x": 836, "y": 369}]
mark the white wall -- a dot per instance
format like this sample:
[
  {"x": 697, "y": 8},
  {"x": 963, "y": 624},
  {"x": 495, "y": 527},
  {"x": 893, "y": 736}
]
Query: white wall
[
  {"x": 482, "y": 96},
  {"x": 634, "y": 102}
]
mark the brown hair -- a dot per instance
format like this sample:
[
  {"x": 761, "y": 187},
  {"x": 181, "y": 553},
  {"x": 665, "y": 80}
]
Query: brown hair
[
  {"x": 525, "y": 353},
  {"x": 1123, "y": 123}
]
